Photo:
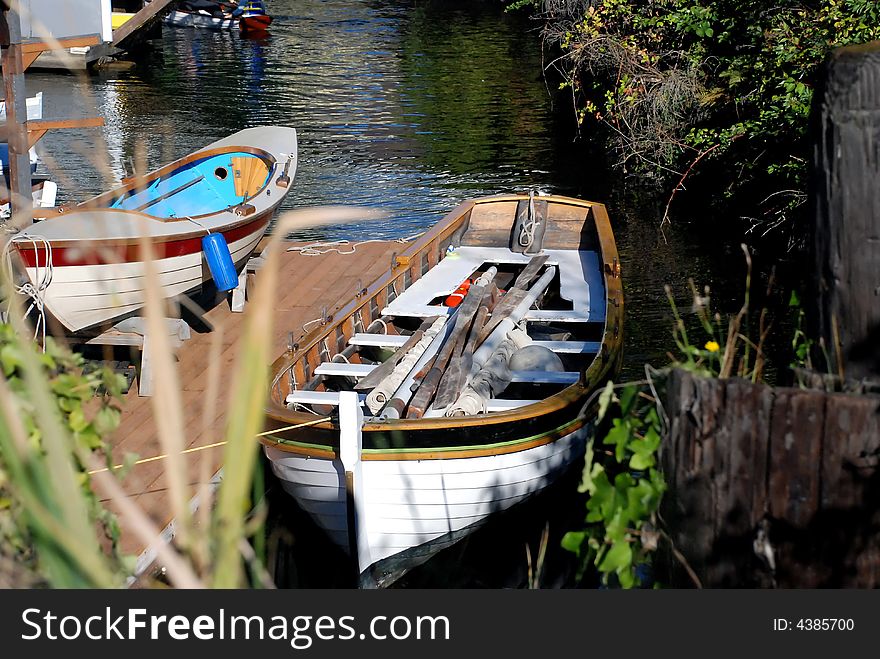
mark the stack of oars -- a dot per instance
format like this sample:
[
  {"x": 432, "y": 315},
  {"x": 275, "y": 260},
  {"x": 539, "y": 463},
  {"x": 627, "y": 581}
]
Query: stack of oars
[{"x": 445, "y": 378}]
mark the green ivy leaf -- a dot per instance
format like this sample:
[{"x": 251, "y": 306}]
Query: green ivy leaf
[
  {"x": 107, "y": 420},
  {"x": 627, "y": 398},
  {"x": 573, "y": 541},
  {"x": 618, "y": 436},
  {"x": 641, "y": 461},
  {"x": 618, "y": 558}
]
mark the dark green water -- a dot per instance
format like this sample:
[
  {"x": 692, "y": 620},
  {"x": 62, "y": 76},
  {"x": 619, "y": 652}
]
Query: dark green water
[{"x": 409, "y": 107}]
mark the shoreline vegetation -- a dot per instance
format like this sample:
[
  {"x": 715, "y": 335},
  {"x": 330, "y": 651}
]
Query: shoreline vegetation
[{"x": 680, "y": 90}]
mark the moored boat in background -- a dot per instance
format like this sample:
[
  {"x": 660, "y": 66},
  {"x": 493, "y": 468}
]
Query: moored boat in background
[
  {"x": 254, "y": 17},
  {"x": 206, "y": 14},
  {"x": 248, "y": 16},
  {"x": 450, "y": 409}
]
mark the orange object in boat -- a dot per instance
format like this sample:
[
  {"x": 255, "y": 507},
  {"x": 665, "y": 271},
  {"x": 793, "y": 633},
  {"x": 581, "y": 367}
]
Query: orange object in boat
[{"x": 458, "y": 294}]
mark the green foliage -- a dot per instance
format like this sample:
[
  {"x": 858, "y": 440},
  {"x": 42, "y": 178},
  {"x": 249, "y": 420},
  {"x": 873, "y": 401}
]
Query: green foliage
[
  {"x": 723, "y": 350},
  {"x": 85, "y": 403},
  {"x": 801, "y": 344},
  {"x": 625, "y": 488},
  {"x": 676, "y": 78}
]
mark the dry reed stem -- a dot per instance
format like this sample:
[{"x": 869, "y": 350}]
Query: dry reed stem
[
  {"x": 251, "y": 379},
  {"x": 179, "y": 571},
  {"x": 166, "y": 399}
]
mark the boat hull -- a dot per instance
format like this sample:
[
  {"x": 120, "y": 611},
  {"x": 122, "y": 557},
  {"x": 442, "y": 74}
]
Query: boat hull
[
  {"x": 256, "y": 23},
  {"x": 84, "y": 295},
  {"x": 179, "y": 18},
  {"x": 408, "y": 510}
]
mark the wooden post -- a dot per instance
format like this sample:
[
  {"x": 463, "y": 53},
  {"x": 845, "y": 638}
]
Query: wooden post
[
  {"x": 771, "y": 486},
  {"x": 845, "y": 200},
  {"x": 20, "y": 199}
]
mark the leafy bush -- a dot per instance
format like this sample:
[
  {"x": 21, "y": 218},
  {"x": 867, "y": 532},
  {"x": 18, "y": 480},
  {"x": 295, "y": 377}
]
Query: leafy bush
[
  {"x": 32, "y": 500},
  {"x": 674, "y": 80}
]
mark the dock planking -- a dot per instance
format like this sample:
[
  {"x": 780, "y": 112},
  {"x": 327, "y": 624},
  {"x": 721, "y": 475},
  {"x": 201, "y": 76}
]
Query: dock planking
[{"x": 307, "y": 284}]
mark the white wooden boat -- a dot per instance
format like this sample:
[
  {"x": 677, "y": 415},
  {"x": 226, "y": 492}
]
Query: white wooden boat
[
  {"x": 397, "y": 474},
  {"x": 231, "y": 187}
]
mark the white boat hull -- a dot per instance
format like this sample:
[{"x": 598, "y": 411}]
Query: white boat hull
[
  {"x": 82, "y": 296},
  {"x": 418, "y": 506}
]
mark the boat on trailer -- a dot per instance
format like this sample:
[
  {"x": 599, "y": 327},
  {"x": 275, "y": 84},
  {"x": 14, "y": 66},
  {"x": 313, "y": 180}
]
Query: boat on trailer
[
  {"x": 86, "y": 261},
  {"x": 456, "y": 385}
]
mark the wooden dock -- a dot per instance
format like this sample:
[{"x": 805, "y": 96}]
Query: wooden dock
[{"x": 307, "y": 284}]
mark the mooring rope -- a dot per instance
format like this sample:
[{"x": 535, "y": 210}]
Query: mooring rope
[
  {"x": 319, "y": 248},
  {"x": 195, "y": 449}
]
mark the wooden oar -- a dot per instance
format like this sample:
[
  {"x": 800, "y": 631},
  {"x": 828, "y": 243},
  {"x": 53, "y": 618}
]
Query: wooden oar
[
  {"x": 385, "y": 368},
  {"x": 451, "y": 383},
  {"x": 514, "y": 294},
  {"x": 458, "y": 369},
  {"x": 430, "y": 379}
]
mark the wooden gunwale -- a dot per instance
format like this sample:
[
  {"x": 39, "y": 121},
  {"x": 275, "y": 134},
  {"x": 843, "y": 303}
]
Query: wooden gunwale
[
  {"x": 447, "y": 452},
  {"x": 608, "y": 358}
]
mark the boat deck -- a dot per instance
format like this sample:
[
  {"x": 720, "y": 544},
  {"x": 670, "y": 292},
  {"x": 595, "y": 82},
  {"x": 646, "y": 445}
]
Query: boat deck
[{"x": 307, "y": 284}]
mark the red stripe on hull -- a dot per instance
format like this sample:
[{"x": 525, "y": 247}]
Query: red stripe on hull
[{"x": 78, "y": 253}]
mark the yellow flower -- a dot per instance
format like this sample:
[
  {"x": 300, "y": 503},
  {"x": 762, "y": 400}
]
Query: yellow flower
[{"x": 712, "y": 346}]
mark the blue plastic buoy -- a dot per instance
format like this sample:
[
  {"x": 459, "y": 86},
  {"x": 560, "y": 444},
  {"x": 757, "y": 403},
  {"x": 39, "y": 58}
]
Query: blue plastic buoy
[{"x": 220, "y": 261}]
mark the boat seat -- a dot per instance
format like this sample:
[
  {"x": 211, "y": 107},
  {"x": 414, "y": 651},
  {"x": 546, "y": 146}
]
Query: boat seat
[
  {"x": 345, "y": 369},
  {"x": 441, "y": 280},
  {"x": 545, "y": 377},
  {"x": 574, "y": 347},
  {"x": 556, "y": 316},
  {"x": 378, "y": 340},
  {"x": 317, "y": 397},
  {"x": 579, "y": 274}
]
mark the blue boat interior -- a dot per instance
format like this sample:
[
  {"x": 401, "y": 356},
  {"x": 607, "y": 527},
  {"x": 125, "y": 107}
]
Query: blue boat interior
[{"x": 201, "y": 187}]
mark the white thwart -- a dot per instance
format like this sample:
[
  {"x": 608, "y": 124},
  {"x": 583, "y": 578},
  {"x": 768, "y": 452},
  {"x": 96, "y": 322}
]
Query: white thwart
[
  {"x": 378, "y": 340},
  {"x": 502, "y": 405},
  {"x": 556, "y": 316},
  {"x": 574, "y": 347},
  {"x": 316, "y": 397},
  {"x": 579, "y": 273},
  {"x": 341, "y": 368},
  {"x": 545, "y": 377}
]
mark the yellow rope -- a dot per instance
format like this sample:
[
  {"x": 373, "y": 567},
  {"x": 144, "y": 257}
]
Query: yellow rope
[{"x": 214, "y": 445}]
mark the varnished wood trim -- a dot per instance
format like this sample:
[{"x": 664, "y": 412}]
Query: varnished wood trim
[{"x": 435, "y": 454}]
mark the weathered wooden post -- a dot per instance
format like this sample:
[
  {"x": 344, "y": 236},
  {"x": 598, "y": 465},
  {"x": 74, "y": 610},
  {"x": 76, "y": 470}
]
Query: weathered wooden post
[
  {"x": 845, "y": 197},
  {"x": 20, "y": 201}
]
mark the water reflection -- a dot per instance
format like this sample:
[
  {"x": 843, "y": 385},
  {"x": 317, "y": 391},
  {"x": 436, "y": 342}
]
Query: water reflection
[{"x": 406, "y": 106}]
